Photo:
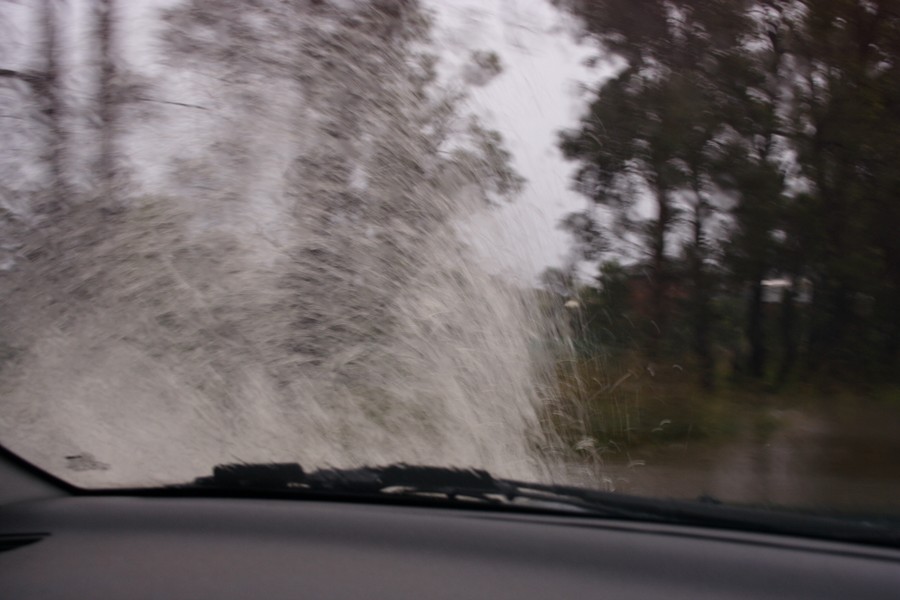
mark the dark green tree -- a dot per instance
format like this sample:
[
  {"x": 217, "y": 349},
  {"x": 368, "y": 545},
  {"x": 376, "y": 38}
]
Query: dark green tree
[
  {"x": 847, "y": 124},
  {"x": 781, "y": 117},
  {"x": 652, "y": 137}
]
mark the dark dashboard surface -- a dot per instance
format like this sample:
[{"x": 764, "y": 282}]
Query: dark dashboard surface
[{"x": 159, "y": 547}]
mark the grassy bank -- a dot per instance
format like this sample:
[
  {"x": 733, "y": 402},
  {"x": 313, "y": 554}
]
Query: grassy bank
[{"x": 613, "y": 404}]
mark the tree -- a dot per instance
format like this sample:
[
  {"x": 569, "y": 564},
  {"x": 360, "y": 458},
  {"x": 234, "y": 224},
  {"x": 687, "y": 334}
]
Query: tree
[
  {"x": 394, "y": 159},
  {"x": 296, "y": 266},
  {"x": 107, "y": 98},
  {"x": 794, "y": 123},
  {"x": 45, "y": 89},
  {"x": 847, "y": 124},
  {"x": 652, "y": 132}
]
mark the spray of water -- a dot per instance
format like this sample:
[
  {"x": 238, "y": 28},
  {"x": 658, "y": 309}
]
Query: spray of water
[{"x": 296, "y": 290}]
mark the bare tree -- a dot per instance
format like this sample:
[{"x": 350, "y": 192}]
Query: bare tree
[
  {"x": 45, "y": 88},
  {"x": 107, "y": 99},
  {"x": 300, "y": 288}
]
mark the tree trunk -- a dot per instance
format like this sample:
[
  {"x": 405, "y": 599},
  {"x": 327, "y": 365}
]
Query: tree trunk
[
  {"x": 756, "y": 363},
  {"x": 700, "y": 300},
  {"x": 106, "y": 103},
  {"x": 659, "y": 276},
  {"x": 51, "y": 98},
  {"x": 702, "y": 325},
  {"x": 891, "y": 352},
  {"x": 788, "y": 333}
]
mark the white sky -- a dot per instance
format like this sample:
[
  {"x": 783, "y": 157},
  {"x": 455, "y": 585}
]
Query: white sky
[{"x": 535, "y": 97}]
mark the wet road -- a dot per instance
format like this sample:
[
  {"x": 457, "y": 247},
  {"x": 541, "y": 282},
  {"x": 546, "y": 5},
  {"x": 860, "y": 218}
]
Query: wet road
[{"x": 841, "y": 457}]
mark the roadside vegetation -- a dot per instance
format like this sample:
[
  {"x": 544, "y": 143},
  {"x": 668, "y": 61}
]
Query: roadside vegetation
[{"x": 740, "y": 168}]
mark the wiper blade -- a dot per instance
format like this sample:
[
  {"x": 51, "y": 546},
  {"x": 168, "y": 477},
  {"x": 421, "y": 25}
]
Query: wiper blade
[
  {"x": 412, "y": 481},
  {"x": 393, "y": 479},
  {"x": 415, "y": 481},
  {"x": 291, "y": 476},
  {"x": 398, "y": 480}
]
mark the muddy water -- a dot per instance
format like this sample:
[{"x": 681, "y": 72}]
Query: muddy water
[{"x": 839, "y": 457}]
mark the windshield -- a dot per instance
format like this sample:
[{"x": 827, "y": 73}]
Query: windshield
[{"x": 640, "y": 247}]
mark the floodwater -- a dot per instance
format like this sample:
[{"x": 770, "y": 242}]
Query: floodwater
[{"x": 844, "y": 458}]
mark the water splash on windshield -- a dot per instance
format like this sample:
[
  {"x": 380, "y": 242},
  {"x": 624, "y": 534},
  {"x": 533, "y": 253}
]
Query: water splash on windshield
[{"x": 275, "y": 272}]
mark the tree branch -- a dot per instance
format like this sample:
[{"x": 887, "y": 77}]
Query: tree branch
[
  {"x": 197, "y": 106},
  {"x": 32, "y": 79}
]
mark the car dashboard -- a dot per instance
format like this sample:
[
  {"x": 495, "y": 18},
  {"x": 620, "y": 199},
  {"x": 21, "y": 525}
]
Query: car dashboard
[{"x": 59, "y": 544}]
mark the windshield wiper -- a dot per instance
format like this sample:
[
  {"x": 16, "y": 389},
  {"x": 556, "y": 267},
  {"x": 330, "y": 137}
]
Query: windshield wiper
[
  {"x": 365, "y": 480},
  {"x": 401, "y": 481},
  {"x": 397, "y": 481}
]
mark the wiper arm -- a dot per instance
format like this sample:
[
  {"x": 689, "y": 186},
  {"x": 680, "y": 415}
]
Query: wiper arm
[
  {"x": 398, "y": 478},
  {"x": 366, "y": 479},
  {"x": 402, "y": 480}
]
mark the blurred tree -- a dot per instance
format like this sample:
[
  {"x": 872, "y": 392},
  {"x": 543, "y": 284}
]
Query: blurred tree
[
  {"x": 394, "y": 157},
  {"x": 847, "y": 124},
  {"x": 559, "y": 281},
  {"x": 607, "y": 309},
  {"x": 652, "y": 134},
  {"x": 44, "y": 84},
  {"x": 108, "y": 98},
  {"x": 781, "y": 116}
]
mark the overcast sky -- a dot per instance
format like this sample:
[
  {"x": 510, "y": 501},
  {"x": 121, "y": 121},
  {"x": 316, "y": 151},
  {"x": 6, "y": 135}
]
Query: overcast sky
[{"x": 536, "y": 96}]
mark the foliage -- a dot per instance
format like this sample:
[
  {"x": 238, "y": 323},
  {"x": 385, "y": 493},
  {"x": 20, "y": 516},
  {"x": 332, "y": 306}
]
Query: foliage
[{"x": 746, "y": 141}]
